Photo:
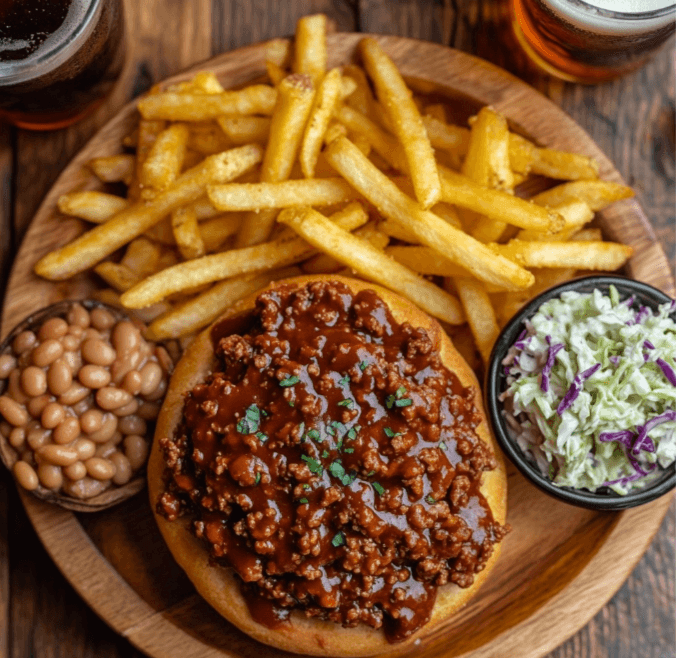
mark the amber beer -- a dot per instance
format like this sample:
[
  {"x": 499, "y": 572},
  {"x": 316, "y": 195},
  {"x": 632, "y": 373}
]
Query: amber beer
[
  {"x": 58, "y": 59},
  {"x": 591, "y": 41}
]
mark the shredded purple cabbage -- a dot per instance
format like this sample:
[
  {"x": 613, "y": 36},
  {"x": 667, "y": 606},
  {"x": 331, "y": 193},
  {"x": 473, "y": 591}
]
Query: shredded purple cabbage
[
  {"x": 643, "y": 313},
  {"x": 614, "y": 360},
  {"x": 630, "y": 301},
  {"x": 625, "y": 437},
  {"x": 551, "y": 357},
  {"x": 575, "y": 388},
  {"x": 667, "y": 370},
  {"x": 648, "y": 345}
]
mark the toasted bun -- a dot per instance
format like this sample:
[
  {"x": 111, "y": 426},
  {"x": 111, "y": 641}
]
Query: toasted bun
[{"x": 220, "y": 587}]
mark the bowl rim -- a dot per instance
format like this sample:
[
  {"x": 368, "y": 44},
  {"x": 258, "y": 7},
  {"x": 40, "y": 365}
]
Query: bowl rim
[{"x": 492, "y": 388}]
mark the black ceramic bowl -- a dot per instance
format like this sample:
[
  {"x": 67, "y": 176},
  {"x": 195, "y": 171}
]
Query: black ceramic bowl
[{"x": 602, "y": 499}]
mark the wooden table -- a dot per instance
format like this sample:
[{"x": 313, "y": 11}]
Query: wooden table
[{"x": 631, "y": 119}]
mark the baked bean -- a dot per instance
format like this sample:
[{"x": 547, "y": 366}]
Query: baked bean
[
  {"x": 73, "y": 360},
  {"x": 125, "y": 337},
  {"x": 17, "y": 437},
  {"x": 100, "y": 469},
  {"x": 25, "y": 475},
  {"x": 159, "y": 391},
  {"x": 52, "y": 415},
  {"x": 123, "y": 364},
  {"x": 132, "y": 382},
  {"x": 164, "y": 359},
  {"x": 75, "y": 471},
  {"x": 70, "y": 343},
  {"x": 47, "y": 352},
  {"x": 105, "y": 450},
  {"x": 78, "y": 315},
  {"x": 136, "y": 450},
  {"x": 5, "y": 428},
  {"x": 102, "y": 319},
  {"x": 76, "y": 331},
  {"x": 83, "y": 405},
  {"x": 148, "y": 410},
  {"x": 98, "y": 352},
  {"x": 128, "y": 409},
  {"x": 58, "y": 455},
  {"x": 66, "y": 431},
  {"x": 91, "y": 334},
  {"x": 109, "y": 398},
  {"x": 7, "y": 364},
  {"x": 25, "y": 341},
  {"x": 37, "y": 437},
  {"x": 53, "y": 328},
  {"x": 74, "y": 394},
  {"x": 91, "y": 420},
  {"x": 37, "y": 405},
  {"x": 122, "y": 468},
  {"x": 108, "y": 428},
  {"x": 33, "y": 381},
  {"x": 50, "y": 476},
  {"x": 132, "y": 425},
  {"x": 59, "y": 377},
  {"x": 94, "y": 376},
  {"x": 151, "y": 374},
  {"x": 84, "y": 448},
  {"x": 14, "y": 388},
  {"x": 13, "y": 412},
  {"x": 84, "y": 488}
]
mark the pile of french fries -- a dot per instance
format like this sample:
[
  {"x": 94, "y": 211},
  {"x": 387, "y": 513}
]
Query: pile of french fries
[{"x": 319, "y": 171}]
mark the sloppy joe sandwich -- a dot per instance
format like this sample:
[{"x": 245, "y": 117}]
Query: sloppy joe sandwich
[{"x": 323, "y": 471}]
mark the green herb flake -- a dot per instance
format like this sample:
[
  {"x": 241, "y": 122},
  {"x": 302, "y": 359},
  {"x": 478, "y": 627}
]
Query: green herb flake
[
  {"x": 390, "y": 433},
  {"x": 345, "y": 381},
  {"x": 370, "y": 473},
  {"x": 303, "y": 501},
  {"x": 251, "y": 421},
  {"x": 345, "y": 403},
  {"x": 380, "y": 490},
  {"x": 314, "y": 435},
  {"x": 443, "y": 445},
  {"x": 261, "y": 437},
  {"x": 349, "y": 478},
  {"x": 313, "y": 465},
  {"x": 307, "y": 486},
  {"x": 338, "y": 540},
  {"x": 336, "y": 469},
  {"x": 363, "y": 365},
  {"x": 258, "y": 478},
  {"x": 400, "y": 391},
  {"x": 325, "y": 454},
  {"x": 352, "y": 433},
  {"x": 430, "y": 499},
  {"x": 292, "y": 403},
  {"x": 289, "y": 381},
  {"x": 389, "y": 401},
  {"x": 349, "y": 450},
  {"x": 406, "y": 402}
]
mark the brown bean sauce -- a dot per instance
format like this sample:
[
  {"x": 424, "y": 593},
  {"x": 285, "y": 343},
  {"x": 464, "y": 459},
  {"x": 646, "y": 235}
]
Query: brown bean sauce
[{"x": 332, "y": 461}]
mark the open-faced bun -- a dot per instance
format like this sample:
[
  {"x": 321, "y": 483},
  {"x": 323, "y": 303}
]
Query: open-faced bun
[{"x": 220, "y": 587}]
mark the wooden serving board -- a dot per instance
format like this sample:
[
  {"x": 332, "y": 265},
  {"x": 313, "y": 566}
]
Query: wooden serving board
[{"x": 559, "y": 565}]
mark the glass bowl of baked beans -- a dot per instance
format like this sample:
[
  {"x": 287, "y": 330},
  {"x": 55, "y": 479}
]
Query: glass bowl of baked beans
[{"x": 80, "y": 390}]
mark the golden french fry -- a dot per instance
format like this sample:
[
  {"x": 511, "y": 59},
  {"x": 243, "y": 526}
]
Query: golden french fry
[
  {"x": 260, "y": 196},
  {"x": 407, "y": 123},
  {"x": 575, "y": 215},
  {"x": 436, "y": 111},
  {"x": 96, "y": 207},
  {"x": 165, "y": 158},
  {"x": 347, "y": 87},
  {"x": 279, "y": 53},
  {"x": 424, "y": 260},
  {"x": 207, "y": 83},
  {"x": 334, "y": 131},
  {"x": 208, "y": 139},
  {"x": 202, "y": 310},
  {"x": 310, "y": 47},
  {"x": 371, "y": 263},
  {"x": 113, "y": 168},
  {"x": 362, "y": 144},
  {"x": 460, "y": 191},
  {"x": 116, "y": 275},
  {"x": 454, "y": 139},
  {"x": 275, "y": 72},
  {"x": 463, "y": 341},
  {"x": 398, "y": 231},
  {"x": 281, "y": 252},
  {"x": 142, "y": 256},
  {"x": 587, "y": 234},
  {"x": 429, "y": 229},
  {"x": 244, "y": 130},
  {"x": 294, "y": 102},
  {"x": 256, "y": 99},
  {"x": 325, "y": 101},
  {"x": 187, "y": 233},
  {"x": 104, "y": 239},
  {"x": 597, "y": 194},
  {"x": 480, "y": 314},
  {"x": 217, "y": 230},
  {"x": 148, "y": 132},
  {"x": 606, "y": 256},
  {"x": 361, "y": 99}
]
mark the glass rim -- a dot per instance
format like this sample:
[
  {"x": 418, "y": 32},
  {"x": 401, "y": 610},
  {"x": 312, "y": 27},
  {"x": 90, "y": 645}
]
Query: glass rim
[
  {"x": 14, "y": 71},
  {"x": 626, "y": 15}
]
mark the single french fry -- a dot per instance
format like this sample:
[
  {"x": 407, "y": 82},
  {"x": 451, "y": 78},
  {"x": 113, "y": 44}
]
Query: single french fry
[
  {"x": 148, "y": 132},
  {"x": 96, "y": 207},
  {"x": 187, "y": 233},
  {"x": 371, "y": 263},
  {"x": 165, "y": 158},
  {"x": 310, "y": 47},
  {"x": 208, "y": 139},
  {"x": 325, "y": 101},
  {"x": 117, "y": 275},
  {"x": 429, "y": 229},
  {"x": 460, "y": 191},
  {"x": 362, "y": 144},
  {"x": 207, "y": 83},
  {"x": 294, "y": 102},
  {"x": 279, "y": 53},
  {"x": 606, "y": 256},
  {"x": 407, "y": 123},
  {"x": 597, "y": 194},
  {"x": 480, "y": 314},
  {"x": 447, "y": 137},
  {"x": 575, "y": 214},
  {"x": 588, "y": 235},
  {"x": 142, "y": 256},
  {"x": 244, "y": 130},
  {"x": 361, "y": 98},
  {"x": 104, "y": 239},
  {"x": 281, "y": 252},
  {"x": 217, "y": 230},
  {"x": 204, "y": 209},
  {"x": 256, "y": 99},
  {"x": 260, "y": 196},
  {"x": 347, "y": 87},
  {"x": 202, "y": 310},
  {"x": 275, "y": 72},
  {"x": 424, "y": 260},
  {"x": 397, "y": 231},
  {"x": 333, "y": 131},
  {"x": 113, "y": 168}
]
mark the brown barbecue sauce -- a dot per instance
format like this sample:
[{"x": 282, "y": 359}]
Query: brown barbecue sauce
[{"x": 332, "y": 461}]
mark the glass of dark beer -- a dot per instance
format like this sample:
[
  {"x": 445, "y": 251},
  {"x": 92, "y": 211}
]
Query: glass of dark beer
[
  {"x": 591, "y": 40},
  {"x": 59, "y": 59}
]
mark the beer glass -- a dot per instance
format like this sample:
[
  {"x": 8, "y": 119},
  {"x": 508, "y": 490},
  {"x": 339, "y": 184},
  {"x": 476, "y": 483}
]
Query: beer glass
[
  {"x": 591, "y": 40},
  {"x": 58, "y": 59}
]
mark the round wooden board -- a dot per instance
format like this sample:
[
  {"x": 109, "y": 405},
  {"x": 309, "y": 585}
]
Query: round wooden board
[{"x": 559, "y": 565}]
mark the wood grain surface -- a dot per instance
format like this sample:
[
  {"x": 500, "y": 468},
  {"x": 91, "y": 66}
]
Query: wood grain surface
[{"x": 631, "y": 119}]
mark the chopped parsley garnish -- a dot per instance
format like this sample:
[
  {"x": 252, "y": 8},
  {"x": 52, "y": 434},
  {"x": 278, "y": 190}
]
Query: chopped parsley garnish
[
  {"x": 251, "y": 421},
  {"x": 338, "y": 540},
  {"x": 325, "y": 454},
  {"x": 345, "y": 403},
  {"x": 345, "y": 380},
  {"x": 430, "y": 499},
  {"x": 397, "y": 400},
  {"x": 338, "y": 471},
  {"x": 389, "y": 432},
  {"x": 304, "y": 501},
  {"x": 400, "y": 391},
  {"x": 314, "y": 435},
  {"x": 307, "y": 486},
  {"x": 380, "y": 490},
  {"x": 370, "y": 473},
  {"x": 261, "y": 437},
  {"x": 258, "y": 478},
  {"x": 313, "y": 465},
  {"x": 443, "y": 445},
  {"x": 336, "y": 428},
  {"x": 292, "y": 403},
  {"x": 363, "y": 365},
  {"x": 406, "y": 402},
  {"x": 352, "y": 433},
  {"x": 289, "y": 381},
  {"x": 349, "y": 450}
]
